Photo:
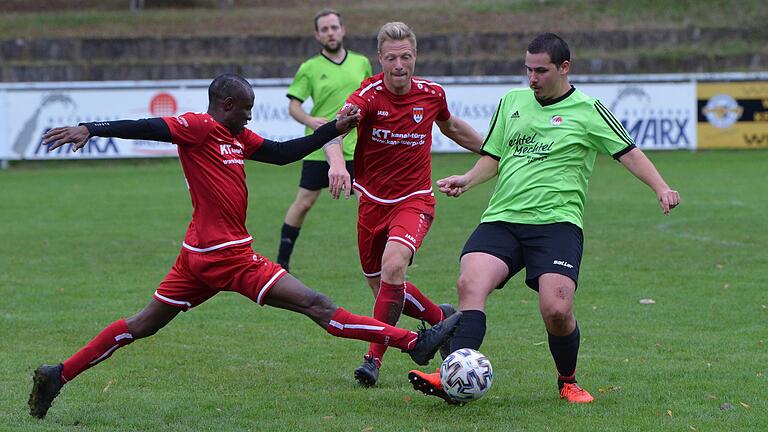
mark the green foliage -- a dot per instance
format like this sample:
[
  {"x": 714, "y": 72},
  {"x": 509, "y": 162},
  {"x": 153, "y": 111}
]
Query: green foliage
[{"x": 87, "y": 243}]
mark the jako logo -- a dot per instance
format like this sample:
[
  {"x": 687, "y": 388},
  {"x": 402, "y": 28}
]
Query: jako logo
[
  {"x": 382, "y": 113},
  {"x": 562, "y": 263}
]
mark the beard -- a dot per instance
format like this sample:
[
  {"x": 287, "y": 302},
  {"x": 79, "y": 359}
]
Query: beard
[{"x": 333, "y": 47}]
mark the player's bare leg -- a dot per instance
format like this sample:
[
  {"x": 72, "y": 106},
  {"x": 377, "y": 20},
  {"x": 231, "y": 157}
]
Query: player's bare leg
[
  {"x": 291, "y": 294},
  {"x": 479, "y": 276},
  {"x": 47, "y": 380},
  {"x": 556, "y": 293},
  {"x": 294, "y": 219}
]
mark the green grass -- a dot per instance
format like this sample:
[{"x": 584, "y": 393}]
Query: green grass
[{"x": 85, "y": 244}]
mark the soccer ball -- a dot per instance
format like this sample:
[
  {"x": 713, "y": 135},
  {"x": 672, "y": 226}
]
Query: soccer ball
[{"x": 466, "y": 375}]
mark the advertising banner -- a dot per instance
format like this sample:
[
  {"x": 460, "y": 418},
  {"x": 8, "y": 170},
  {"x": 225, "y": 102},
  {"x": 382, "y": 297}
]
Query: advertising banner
[
  {"x": 732, "y": 114},
  {"x": 35, "y": 112}
]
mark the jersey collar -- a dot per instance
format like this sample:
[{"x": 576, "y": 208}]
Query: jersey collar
[
  {"x": 556, "y": 100},
  {"x": 346, "y": 54}
]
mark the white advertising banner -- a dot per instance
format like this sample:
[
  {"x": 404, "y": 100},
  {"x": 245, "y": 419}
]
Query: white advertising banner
[
  {"x": 658, "y": 111},
  {"x": 31, "y": 113}
]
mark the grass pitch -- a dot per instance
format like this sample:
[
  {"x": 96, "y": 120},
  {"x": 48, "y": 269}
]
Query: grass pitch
[{"x": 87, "y": 243}]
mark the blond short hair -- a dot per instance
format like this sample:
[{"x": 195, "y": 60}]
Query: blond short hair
[{"x": 396, "y": 31}]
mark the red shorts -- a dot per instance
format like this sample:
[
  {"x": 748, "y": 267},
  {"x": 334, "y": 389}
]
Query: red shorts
[
  {"x": 196, "y": 277},
  {"x": 406, "y": 222}
]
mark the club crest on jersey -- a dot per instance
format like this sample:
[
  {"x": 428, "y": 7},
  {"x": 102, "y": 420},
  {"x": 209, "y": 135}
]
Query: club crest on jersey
[
  {"x": 556, "y": 120},
  {"x": 418, "y": 114}
]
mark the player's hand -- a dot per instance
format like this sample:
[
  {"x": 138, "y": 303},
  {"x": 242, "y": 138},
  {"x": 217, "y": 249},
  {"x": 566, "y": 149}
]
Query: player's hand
[
  {"x": 57, "y": 137},
  {"x": 316, "y": 122},
  {"x": 347, "y": 119},
  {"x": 668, "y": 199},
  {"x": 339, "y": 181},
  {"x": 454, "y": 185}
]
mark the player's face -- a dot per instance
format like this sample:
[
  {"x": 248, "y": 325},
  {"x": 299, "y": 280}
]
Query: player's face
[
  {"x": 545, "y": 79},
  {"x": 330, "y": 33},
  {"x": 237, "y": 113},
  {"x": 398, "y": 60}
]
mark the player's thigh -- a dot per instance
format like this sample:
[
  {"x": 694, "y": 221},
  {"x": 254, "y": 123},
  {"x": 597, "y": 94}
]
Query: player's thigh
[
  {"x": 246, "y": 272},
  {"x": 410, "y": 222},
  {"x": 371, "y": 237},
  {"x": 551, "y": 248},
  {"x": 493, "y": 239},
  {"x": 314, "y": 175},
  {"x": 479, "y": 275},
  {"x": 292, "y": 294},
  {"x": 181, "y": 288}
]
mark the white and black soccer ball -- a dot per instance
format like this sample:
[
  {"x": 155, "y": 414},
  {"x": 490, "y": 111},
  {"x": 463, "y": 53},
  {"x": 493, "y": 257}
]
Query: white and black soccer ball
[{"x": 466, "y": 375}]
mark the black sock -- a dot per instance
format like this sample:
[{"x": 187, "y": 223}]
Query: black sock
[
  {"x": 288, "y": 235},
  {"x": 470, "y": 332},
  {"x": 565, "y": 352}
]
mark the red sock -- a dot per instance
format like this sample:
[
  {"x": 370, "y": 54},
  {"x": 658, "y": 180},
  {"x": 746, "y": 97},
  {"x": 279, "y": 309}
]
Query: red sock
[
  {"x": 388, "y": 308},
  {"x": 116, "y": 335},
  {"x": 351, "y": 326},
  {"x": 418, "y": 306}
]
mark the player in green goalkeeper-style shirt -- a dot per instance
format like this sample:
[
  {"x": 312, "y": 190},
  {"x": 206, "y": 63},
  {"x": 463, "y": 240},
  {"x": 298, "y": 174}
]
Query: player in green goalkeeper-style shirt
[
  {"x": 327, "y": 78},
  {"x": 542, "y": 145}
]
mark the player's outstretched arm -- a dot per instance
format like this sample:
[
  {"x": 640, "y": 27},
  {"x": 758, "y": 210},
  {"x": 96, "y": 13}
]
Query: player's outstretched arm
[
  {"x": 638, "y": 164},
  {"x": 285, "y": 152},
  {"x": 154, "y": 129},
  {"x": 455, "y": 185},
  {"x": 339, "y": 180},
  {"x": 461, "y": 133}
]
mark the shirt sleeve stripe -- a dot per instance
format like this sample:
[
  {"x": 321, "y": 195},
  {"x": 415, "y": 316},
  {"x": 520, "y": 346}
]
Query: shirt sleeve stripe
[
  {"x": 493, "y": 124},
  {"x": 614, "y": 124}
]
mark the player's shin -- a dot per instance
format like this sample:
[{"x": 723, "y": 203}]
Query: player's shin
[
  {"x": 348, "y": 325},
  {"x": 470, "y": 332},
  {"x": 565, "y": 352},
  {"x": 114, "y": 336},
  {"x": 419, "y": 306}
]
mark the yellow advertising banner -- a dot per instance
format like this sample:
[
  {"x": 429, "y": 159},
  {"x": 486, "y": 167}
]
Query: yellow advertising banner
[{"x": 732, "y": 114}]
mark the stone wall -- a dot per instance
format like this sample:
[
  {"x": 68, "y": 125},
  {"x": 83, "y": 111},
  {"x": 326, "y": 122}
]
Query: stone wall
[{"x": 600, "y": 52}]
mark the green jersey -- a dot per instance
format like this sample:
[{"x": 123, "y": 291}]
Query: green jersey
[
  {"x": 329, "y": 84},
  {"x": 546, "y": 154}
]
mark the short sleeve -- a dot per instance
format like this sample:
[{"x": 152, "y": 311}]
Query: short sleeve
[
  {"x": 188, "y": 129},
  {"x": 493, "y": 144},
  {"x": 443, "y": 114},
  {"x": 301, "y": 87},
  {"x": 357, "y": 100},
  {"x": 606, "y": 133},
  {"x": 250, "y": 140}
]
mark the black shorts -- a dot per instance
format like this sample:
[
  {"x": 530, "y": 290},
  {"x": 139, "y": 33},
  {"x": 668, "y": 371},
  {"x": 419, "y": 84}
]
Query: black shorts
[
  {"x": 314, "y": 174},
  {"x": 550, "y": 248}
]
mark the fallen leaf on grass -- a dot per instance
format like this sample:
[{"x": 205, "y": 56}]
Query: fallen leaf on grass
[
  {"x": 746, "y": 406},
  {"x": 726, "y": 286},
  {"x": 407, "y": 399},
  {"x": 329, "y": 417},
  {"x": 726, "y": 406},
  {"x": 719, "y": 266},
  {"x": 109, "y": 384},
  {"x": 669, "y": 413},
  {"x": 760, "y": 375},
  {"x": 539, "y": 343},
  {"x": 692, "y": 428},
  {"x": 367, "y": 429},
  {"x": 604, "y": 390},
  {"x": 647, "y": 301},
  {"x": 711, "y": 397}
]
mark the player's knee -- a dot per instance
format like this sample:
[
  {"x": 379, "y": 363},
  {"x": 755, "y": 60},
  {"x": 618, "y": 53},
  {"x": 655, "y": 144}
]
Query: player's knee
[
  {"x": 557, "y": 315},
  {"x": 141, "y": 326},
  {"x": 393, "y": 268},
  {"x": 321, "y": 308}
]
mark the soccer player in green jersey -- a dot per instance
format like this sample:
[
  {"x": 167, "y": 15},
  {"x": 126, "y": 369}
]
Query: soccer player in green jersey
[
  {"x": 327, "y": 78},
  {"x": 542, "y": 145}
]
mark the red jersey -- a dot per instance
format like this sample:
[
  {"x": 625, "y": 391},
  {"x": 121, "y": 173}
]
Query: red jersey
[
  {"x": 394, "y": 138},
  {"x": 214, "y": 166}
]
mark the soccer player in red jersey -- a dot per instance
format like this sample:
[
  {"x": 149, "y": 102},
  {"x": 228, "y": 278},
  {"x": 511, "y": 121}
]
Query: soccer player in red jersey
[
  {"x": 393, "y": 177},
  {"x": 216, "y": 254}
]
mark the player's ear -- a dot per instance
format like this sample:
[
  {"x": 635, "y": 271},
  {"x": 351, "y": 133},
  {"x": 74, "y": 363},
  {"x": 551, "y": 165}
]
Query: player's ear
[
  {"x": 565, "y": 67},
  {"x": 228, "y": 103}
]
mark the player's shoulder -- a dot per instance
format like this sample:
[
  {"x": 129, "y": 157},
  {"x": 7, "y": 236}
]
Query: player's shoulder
[
  {"x": 420, "y": 83},
  {"x": 371, "y": 84},
  {"x": 311, "y": 62},
  {"x": 192, "y": 119}
]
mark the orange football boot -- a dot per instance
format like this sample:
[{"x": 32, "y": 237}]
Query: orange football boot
[
  {"x": 575, "y": 394},
  {"x": 430, "y": 385}
]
